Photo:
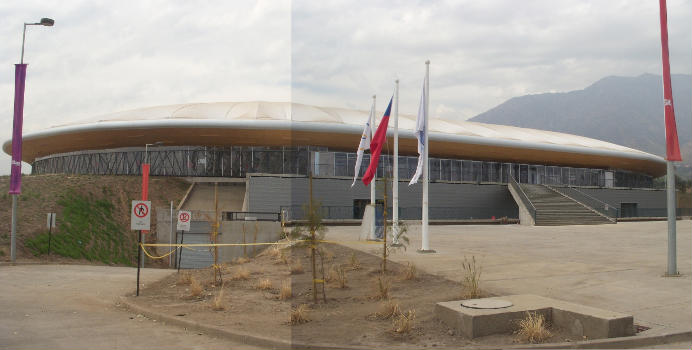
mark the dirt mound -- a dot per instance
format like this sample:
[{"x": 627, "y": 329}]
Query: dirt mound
[{"x": 92, "y": 215}]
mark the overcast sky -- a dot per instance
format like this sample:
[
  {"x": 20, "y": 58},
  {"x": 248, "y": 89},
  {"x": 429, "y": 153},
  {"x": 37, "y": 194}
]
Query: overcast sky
[{"x": 107, "y": 56}]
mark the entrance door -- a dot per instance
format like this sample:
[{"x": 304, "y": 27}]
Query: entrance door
[{"x": 628, "y": 210}]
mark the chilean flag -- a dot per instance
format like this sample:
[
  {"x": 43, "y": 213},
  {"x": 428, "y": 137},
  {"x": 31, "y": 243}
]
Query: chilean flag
[{"x": 376, "y": 144}]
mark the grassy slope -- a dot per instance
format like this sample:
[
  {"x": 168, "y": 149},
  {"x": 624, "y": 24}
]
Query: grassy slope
[{"x": 93, "y": 215}]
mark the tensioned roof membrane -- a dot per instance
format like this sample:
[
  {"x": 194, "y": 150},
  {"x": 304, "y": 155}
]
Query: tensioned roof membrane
[{"x": 283, "y": 124}]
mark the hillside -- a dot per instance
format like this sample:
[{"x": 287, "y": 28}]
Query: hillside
[
  {"x": 93, "y": 215},
  {"x": 623, "y": 110}
]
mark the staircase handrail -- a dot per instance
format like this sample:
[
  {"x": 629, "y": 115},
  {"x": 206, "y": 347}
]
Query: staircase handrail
[
  {"x": 522, "y": 195},
  {"x": 596, "y": 204}
]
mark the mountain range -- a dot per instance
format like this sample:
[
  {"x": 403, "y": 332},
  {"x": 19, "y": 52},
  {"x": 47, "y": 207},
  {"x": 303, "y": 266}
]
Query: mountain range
[{"x": 623, "y": 110}]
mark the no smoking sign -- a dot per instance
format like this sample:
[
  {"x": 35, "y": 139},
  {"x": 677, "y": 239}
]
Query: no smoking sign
[
  {"x": 140, "y": 217},
  {"x": 184, "y": 218}
]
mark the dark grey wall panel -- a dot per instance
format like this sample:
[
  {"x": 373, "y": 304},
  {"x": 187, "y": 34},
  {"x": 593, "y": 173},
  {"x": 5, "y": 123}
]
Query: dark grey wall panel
[
  {"x": 447, "y": 200},
  {"x": 649, "y": 202}
]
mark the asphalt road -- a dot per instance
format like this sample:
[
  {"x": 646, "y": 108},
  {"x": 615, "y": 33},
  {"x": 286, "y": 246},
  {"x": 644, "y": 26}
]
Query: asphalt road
[{"x": 75, "y": 307}]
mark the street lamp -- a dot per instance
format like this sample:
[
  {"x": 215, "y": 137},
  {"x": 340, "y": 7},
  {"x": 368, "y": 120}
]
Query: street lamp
[
  {"x": 47, "y": 22},
  {"x": 146, "y": 150},
  {"x": 16, "y": 164}
]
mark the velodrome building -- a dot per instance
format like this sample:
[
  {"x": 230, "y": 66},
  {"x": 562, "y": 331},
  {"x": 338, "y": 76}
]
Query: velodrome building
[{"x": 266, "y": 149}]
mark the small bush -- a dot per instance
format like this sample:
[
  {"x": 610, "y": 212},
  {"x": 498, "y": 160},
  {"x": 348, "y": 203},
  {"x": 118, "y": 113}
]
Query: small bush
[
  {"x": 472, "y": 278},
  {"x": 327, "y": 254},
  {"x": 382, "y": 287},
  {"x": 241, "y": 274},
  {"x": 388, "y": 309},
  {"x": 532, "y": 329},
  {"x": 183, "y": 279},
  {"x": 241, "y": 260},
  {"x": 286, "y": 292},
  {"x": 340, "y": 276},
  {"x": 299, "y": 315},
  {"x": 195, "y": 287},
  {"x": 355, "y": 264},
  {"x": 264, "y": 284},
  {"x": 403, "y": 324},
  {"x": 409, "y": 272},
  {"x": 274, "y": 252},
  {"x": 218, "y": 303},
  {"x": 297, "y": 267}
]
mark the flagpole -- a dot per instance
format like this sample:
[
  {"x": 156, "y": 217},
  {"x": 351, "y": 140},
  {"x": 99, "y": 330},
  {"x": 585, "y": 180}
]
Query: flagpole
[
  {"x": 372, "y": 187},
  {"x": 395, "y": 182},
  {"x": 425, "y": 239}
]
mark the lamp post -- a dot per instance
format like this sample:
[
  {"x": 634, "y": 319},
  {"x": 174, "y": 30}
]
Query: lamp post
[{"x": 16, "y": 163}]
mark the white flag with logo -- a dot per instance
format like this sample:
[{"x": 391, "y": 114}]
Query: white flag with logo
[
  {"x": 364, "y": 143},
  {"x": 420, "y": 135}
]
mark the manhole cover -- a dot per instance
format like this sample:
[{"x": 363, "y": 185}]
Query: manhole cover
[{"x": 486, "y": 303}]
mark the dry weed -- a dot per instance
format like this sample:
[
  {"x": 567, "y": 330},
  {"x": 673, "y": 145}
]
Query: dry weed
[
  {"x": 472, "y": 278},
  {"x": 338, "y": 275},
  {"x": 217, "y": 303},
  {"x": 264, "y": 284},
  {"x": 409, "y": 272},
  {"x": 241, "y": 260},
  {"x": 297, "y": 267},
  {"x": 382, "y": 287},
  {"x": 388, "y": 309},
  {"x": 195, "y": 287},
  {"x": 183, "y": 279},
  {"x": 327, "y": 254},
  {"x": 286, "y": 292},
  {"x": 532, "y": 329},
  {"x": 299, "y": 315},
  {"x": 355, "y": 264},
  {"x": 274, "y": 252},
  {"x": 241, "y": 274},
  {"x": 403, "y": 324}
]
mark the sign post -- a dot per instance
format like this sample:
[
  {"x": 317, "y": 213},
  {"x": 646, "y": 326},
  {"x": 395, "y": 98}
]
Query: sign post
[
  {"x": 50, "y": 223},
  {"x": 140, "y": 219},
  {"x": 184, "y": 218}
]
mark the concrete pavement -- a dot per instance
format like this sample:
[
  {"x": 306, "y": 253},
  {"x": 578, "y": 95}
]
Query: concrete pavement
[
  {"x": 74, "y": 307},
  {"x": 614, "y": 267}
]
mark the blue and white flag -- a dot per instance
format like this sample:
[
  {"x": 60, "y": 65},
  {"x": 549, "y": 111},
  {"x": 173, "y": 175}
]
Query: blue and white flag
[
  {"x": 364, "y": 143},
  {"x": 420, "y": 135}
]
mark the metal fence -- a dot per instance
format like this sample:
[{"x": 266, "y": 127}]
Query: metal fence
[{"x": 299, "y": 160}]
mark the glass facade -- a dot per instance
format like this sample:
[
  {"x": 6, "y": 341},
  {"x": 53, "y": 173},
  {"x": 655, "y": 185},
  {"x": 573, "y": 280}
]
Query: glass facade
[{"x": 297, "y": 160}]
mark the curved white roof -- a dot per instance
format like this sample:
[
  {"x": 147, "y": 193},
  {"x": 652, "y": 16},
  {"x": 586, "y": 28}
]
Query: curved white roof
[{"x": 300, "y": 117}]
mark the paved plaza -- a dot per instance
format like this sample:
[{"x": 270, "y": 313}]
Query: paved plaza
[{"x": 614, "y": 267}]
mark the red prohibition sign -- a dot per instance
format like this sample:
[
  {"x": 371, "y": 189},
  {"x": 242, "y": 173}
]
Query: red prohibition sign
[
  {"x": 184, "y": 217},
  {"x": 141, "y": 210}
]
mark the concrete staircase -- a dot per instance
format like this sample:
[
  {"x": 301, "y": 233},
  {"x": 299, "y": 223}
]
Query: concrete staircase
[
  {"x": 230, "y": 196},
  {"x": 554, "y": 209}
]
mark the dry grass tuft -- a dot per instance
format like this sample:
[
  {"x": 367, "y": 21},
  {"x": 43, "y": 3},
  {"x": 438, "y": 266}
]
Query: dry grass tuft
[
  {"x": 327, "y": 254},
  {"x": 217, "y": 303},
  {"x": 403, "y": 324},
  {"x": 286, "y": 292},
  {"x": 297, "y": 267},
  {"x": 382, "y": 286},
  {"x": 195, "y": 287},
  {"x": 532, "y": 329},
  {"x": 264, "y": 284},
  {"x": 241, "y": 274},
  {"x": 472, "y": 278},
  {"x": 409, "y": 272},
  {"x": 299, "y": 315},
  {"x": 355, "y": 264},
  {"x": 274, "y": 252},
  {"x": 241, "y": 260},
  {"x": 338, "y": 274},
  {"x": 184, "y": 279},
  {"x": 388, "y": 309}
]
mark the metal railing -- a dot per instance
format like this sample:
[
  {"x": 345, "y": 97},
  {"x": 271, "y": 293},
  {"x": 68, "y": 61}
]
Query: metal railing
[
  {"x": 251, "y": 216},
  {"x": 522, "y": 196},
  {"x": 606, "y": 209}
]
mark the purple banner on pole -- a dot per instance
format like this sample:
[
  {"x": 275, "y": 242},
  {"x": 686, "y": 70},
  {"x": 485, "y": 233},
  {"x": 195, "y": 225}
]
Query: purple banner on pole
[{"x": 16, "y": 174}]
